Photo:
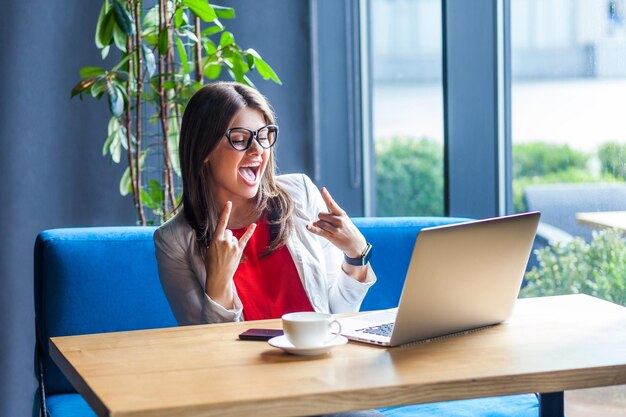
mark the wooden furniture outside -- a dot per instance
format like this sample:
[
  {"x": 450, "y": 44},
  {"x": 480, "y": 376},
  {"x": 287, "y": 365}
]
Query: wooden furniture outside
[
  {"x": 615, "y": 219},
  {"x": 550, "y": 345}
]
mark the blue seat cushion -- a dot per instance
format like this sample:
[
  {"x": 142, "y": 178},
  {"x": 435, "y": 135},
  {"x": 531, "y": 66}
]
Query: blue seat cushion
[
  {"x": 73, "y": 405},
  {"x": 68, "y": 405},
  {"x": 526, "y": 405}
]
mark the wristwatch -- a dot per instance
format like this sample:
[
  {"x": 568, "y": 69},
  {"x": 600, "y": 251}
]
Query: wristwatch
[{"x": 361, "y": 260}]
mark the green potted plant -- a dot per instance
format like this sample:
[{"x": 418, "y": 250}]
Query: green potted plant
[{"x": 165, "y": 53}]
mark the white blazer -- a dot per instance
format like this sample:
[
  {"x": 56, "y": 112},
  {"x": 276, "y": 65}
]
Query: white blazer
[{"x": 329, "y": 288}]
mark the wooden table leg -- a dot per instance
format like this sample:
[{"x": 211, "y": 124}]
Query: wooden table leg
[{"x": 551, "y": 404}]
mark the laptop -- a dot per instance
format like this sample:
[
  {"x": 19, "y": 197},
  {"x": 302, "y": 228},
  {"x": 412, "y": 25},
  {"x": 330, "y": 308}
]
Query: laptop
[{"x": 461, "y": 277}]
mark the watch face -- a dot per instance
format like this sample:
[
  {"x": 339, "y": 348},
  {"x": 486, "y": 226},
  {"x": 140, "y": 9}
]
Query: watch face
[{"x": 367, "y": 255}]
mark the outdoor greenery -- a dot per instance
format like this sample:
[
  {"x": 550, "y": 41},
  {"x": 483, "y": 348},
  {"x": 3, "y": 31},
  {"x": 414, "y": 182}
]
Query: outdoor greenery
[
  {"x": 409, "y": 172},
  {"x": 165, "y": 52},
  {"x": 545, "y": 163},
  {"x": 409, "y": 177},
  {"x": 597, "y": 268},
  {"x": 612, "y": 157},
  {"x": 540, "y": 158}
]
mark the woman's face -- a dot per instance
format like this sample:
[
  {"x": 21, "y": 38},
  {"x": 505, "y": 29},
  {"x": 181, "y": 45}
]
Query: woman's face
[{"x": 236, "y": 175}]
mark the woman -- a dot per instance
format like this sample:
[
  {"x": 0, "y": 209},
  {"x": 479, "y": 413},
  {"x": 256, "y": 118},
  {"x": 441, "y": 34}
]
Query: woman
[{"x": 249, "y": 244}]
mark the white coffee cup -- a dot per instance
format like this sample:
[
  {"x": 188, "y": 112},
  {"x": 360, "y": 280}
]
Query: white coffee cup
[{"x": 309, "y": 329}]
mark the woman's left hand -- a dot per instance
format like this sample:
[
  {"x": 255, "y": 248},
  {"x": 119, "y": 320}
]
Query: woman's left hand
[{"x": 337, "y": 228}]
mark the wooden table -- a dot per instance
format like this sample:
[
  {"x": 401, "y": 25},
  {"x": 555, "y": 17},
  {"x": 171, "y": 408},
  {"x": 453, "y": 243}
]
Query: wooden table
[
  {"x": 603, "y": 219},
  {"x": 550, "y": 345}
]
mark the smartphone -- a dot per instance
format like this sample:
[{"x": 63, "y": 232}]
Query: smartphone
[{"x": 260, "y": 334}]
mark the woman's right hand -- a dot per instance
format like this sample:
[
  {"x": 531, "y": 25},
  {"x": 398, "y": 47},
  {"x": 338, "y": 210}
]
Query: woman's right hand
[{"x": 222, "y": 259}]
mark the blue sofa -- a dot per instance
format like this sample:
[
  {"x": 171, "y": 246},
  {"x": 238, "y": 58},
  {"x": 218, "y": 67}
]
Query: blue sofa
[{"x": 105, "y": 279}]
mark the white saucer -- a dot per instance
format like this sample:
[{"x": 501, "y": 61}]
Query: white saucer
[{"x": 281, "y": 342}]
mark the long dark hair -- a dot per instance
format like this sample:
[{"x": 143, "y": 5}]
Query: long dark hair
[{"x": 206, "y": 118}]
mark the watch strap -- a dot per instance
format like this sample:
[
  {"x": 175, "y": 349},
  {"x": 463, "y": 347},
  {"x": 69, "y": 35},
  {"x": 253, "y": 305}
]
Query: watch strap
[{"x": 361, "y": 260}]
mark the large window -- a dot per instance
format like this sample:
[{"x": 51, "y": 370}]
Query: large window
[
  {"x": 569, "y": 140},
  {"x": 568, "y": 100},
  {"x": 407, "y": 106},
  {"x": 564, "y": 64}
]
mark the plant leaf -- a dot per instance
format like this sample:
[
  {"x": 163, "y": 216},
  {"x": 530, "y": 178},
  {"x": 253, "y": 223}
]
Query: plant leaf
[
  {"x": 250, "y": 60},
  {"x": 91, "y": 71},
  {"x": 248, "y": 81},
  {"x": 123, "y": 18},
  {"x": 124, "y": 137},
  {"x": 266, "y": 71},
  {"x": 173, "y": 131},
  {"x": 239, "y": 64},
  {"x": 209, "y": 47},
  {"x": 83, "y": 84},
  {"x": 226, "y": 39},
  {"x": 105, "y": 33},
  {"x": 121, "y": 89},
  {"x": 119, "y": 38},
  {"x": 125, "y": 184},
  {"x": 150, "y": 26},
  {"x": 104, "y": 52},
  {"x": 178, "y": 17},
  {"x": 253, "y": 53},
  {"x": 224, "y": 12},
  {"x": 120, "y": 76},
  {"x": 101, "y": 23},
  {"x": 156, "y": 191},
  {"x": 113, "y": 126},
  {"x": 151, "y": 18},
  {"x": 149, "y": 60},
  {"x": 202, "y": 9},
  {"x": 107, "y": 145},
  {"x": 192, "y": 36},
  {"x": 163, "y": 41},
  {"x": 212, "y": 71},
  {"x": 115, "y": 148},
  {"x": 183, "y": 55},
  {"x": 112, "y": 130},
  {"x": 211, "y": 30},
  {"x": 116, "y": 100},
  {"x": 97, "y": 88},
  {"x": 147, "y": 200}
]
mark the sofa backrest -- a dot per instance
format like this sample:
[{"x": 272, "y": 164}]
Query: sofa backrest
[
  {"x": 559, "y": 203},
  {"x": 95, "y": 280},
  {"x": 105, "y": 279}
]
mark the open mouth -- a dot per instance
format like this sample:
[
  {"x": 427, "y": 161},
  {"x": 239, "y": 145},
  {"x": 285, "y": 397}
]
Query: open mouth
[{"x": 250, "y": 172}]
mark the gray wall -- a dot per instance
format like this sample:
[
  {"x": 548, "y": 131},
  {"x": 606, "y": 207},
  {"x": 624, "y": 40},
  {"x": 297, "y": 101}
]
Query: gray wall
[{"x": 53, "y": 174}]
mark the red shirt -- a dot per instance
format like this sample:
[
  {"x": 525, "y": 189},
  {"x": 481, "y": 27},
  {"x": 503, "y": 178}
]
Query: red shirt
[{"x": 268, "y": 286}]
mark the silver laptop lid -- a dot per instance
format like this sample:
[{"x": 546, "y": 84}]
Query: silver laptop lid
[{"x": 464, "y": 276}]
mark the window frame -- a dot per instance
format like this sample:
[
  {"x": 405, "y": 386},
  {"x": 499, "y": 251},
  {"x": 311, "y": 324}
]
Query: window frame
[{"x": 477, "y": 138}]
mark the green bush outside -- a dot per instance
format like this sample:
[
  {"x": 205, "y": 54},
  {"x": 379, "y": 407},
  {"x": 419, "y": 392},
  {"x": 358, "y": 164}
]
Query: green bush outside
[
  {"x": 409, "y": 172},
  {"x": 612, "y": 157},
  {"x": 537, "y": 159},
  {"x": 597, "y": 268},
  {"x": 409, "y": 177},
  {"x": 546, "y": 163}
]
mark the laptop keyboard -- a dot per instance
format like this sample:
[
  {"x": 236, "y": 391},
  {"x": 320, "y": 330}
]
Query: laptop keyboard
[{"x": 380, "y": 330}]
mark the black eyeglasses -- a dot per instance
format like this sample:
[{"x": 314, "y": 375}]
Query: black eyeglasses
[{"x": 241, "y": 138}]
